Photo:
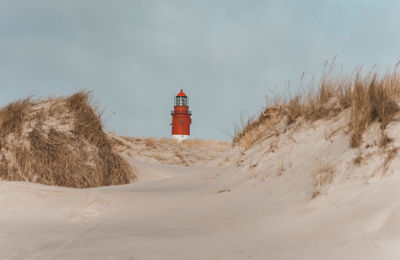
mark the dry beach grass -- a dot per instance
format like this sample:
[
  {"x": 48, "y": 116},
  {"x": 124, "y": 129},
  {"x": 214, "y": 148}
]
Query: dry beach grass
[
  {"x": 58, "y": 142},
  {"x": 370, "y": 97},
  {"x": 170, "y": 151}
]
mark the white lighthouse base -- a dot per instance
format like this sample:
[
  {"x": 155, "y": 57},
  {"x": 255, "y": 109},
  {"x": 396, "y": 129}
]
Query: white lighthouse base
[{"x": 180, "y": 137}]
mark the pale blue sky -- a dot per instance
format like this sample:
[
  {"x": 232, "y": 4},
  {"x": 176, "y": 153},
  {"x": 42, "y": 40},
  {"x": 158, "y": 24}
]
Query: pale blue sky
[{"x": 226, "y": 55}]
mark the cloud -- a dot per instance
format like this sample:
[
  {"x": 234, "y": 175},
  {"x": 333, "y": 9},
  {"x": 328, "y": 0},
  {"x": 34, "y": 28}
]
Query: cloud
[{"x": 227, "y": 55}]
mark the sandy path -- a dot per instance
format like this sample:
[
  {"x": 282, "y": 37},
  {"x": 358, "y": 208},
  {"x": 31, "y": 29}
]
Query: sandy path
[{"x": 199, "y": 213}]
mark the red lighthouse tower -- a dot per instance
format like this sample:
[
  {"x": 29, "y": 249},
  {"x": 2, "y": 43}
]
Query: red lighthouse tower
[{"x": 181, "y": 120}]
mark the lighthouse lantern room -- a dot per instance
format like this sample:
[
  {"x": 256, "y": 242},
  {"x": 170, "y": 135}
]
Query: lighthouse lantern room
[{"x": 181, "y": 120}]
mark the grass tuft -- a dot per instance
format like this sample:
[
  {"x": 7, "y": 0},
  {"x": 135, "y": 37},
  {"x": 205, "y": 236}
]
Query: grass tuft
[
  {"x": 12, "y": 117},
  {"x": 322, "y": 175}
]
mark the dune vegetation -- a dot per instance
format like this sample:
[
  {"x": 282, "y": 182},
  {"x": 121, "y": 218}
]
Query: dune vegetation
[
  {"x": 368, "y": 97},
  {"x": 59, "y": 142}
]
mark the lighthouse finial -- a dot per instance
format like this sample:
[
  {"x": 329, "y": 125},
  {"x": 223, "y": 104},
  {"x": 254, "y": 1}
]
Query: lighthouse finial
[{"x": 181, "y": 94}]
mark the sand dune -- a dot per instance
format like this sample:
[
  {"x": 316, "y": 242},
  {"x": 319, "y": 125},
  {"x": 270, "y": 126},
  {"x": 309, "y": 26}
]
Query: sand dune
[
  {"x": 271, "y": 201},
  {"x": 58, "y": 141}
]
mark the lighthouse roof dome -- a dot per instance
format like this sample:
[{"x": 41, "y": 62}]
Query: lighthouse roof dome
[{"x": 181, "y": 94}]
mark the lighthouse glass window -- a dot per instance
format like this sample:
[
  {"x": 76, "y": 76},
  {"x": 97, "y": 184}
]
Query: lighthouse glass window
[{"x": 181, "y": 101}]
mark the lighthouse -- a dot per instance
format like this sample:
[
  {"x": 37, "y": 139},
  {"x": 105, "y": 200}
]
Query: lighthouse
[{"x": 181, "y": 120}]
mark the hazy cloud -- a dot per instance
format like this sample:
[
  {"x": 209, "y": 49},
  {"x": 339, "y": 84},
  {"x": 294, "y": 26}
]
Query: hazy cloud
[{"x": 227, "y": 55}]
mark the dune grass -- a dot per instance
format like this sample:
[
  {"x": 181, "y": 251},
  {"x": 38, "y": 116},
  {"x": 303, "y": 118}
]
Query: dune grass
[
  {"x": 58, "y": 142},
  {"x": 169, "y": 151},
  {"x": 370, "y": 97}
]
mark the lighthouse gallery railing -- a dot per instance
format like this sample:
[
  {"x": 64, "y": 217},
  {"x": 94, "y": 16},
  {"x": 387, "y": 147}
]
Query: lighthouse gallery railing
[{"x": 181, "y": 113}]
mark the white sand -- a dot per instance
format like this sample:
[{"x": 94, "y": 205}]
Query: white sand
[{"x": 257, "y": 205}]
